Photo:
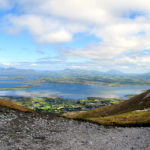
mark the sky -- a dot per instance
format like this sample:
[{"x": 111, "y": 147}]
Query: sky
[{"x": 75, "y": 34}]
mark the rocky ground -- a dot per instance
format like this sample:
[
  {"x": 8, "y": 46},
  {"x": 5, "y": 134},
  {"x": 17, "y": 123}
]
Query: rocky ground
[{"x": 27, "y": 131}]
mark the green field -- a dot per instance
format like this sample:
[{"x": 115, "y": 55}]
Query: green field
[{"x": 58, "y": 105}]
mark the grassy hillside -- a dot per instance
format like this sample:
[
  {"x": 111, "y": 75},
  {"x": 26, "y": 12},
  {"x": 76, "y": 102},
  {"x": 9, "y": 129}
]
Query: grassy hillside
[
  {"x": 135, "y": 111},
  {"x": 10, "y": 105}
]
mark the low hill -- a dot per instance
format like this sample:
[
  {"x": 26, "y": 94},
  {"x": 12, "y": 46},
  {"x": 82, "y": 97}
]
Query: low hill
[{"x": 132, "y": 112}]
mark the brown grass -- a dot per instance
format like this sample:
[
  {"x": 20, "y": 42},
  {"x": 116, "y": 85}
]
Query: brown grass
[
  {"x": 14, "y": 106},
  {"x": 118, "y": 114},
  {"x": 126, "y": 119}
]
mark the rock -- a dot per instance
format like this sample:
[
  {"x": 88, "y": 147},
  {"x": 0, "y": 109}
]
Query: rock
[{"x": 27, "y": 131}]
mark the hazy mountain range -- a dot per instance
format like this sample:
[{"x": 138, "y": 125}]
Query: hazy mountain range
[{"x": 70, "y": 72}]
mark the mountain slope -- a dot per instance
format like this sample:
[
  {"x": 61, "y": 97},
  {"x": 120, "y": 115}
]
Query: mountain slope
[
  {"x": 33, "y": 131},
  {"x": 10, "y": 105},
  {"x": 135, "y": 111}
]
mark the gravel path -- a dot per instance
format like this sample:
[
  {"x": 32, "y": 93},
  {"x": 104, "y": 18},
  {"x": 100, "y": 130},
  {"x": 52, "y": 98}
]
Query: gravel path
[{"x": 23, "y": 131}]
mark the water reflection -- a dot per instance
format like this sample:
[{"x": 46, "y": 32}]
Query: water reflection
[{"x": 72, "y": 91}]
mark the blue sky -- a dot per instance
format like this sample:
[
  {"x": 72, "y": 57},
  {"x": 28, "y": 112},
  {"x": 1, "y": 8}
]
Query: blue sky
[{"x": 61, "y": 34}]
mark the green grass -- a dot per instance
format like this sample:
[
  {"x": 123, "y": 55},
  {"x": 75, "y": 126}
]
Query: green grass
[
  {"x": 58, "y": 105},
  {"x": 48, "y": 104}
]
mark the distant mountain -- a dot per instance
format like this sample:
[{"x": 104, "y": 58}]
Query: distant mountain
[
  {"x": 146, "y": 75},
  {"x": 78, "y": 72},
  {"x": 132, "y": 112},
  {"x": 67, "y": 72},
  {"x": 115, "y": 72},
  {"x": 21, "y": 72}
]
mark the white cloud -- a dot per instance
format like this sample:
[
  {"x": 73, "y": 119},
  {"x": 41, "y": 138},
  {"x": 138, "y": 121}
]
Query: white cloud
[
  {"x": 58, "y": 36},
  {"x": 44, "y": 29},
  {"x": 57, "y": 21},
  {"x": 54, "y": 21},
  {"x": 4, "y": 4},
  {"x": 7, "y": 64},
  {"x": 33, "y": 65}
]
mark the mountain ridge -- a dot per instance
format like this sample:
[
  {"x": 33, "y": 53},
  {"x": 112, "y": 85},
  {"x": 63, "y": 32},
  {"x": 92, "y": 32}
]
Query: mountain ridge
[{"x": 14, "y": 70}]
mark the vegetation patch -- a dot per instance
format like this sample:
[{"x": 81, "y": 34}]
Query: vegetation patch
[
  {"x": 59, "y": 105},
  {"x": 96, "y": 79},
  {"x": 12, "y": 89}
]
